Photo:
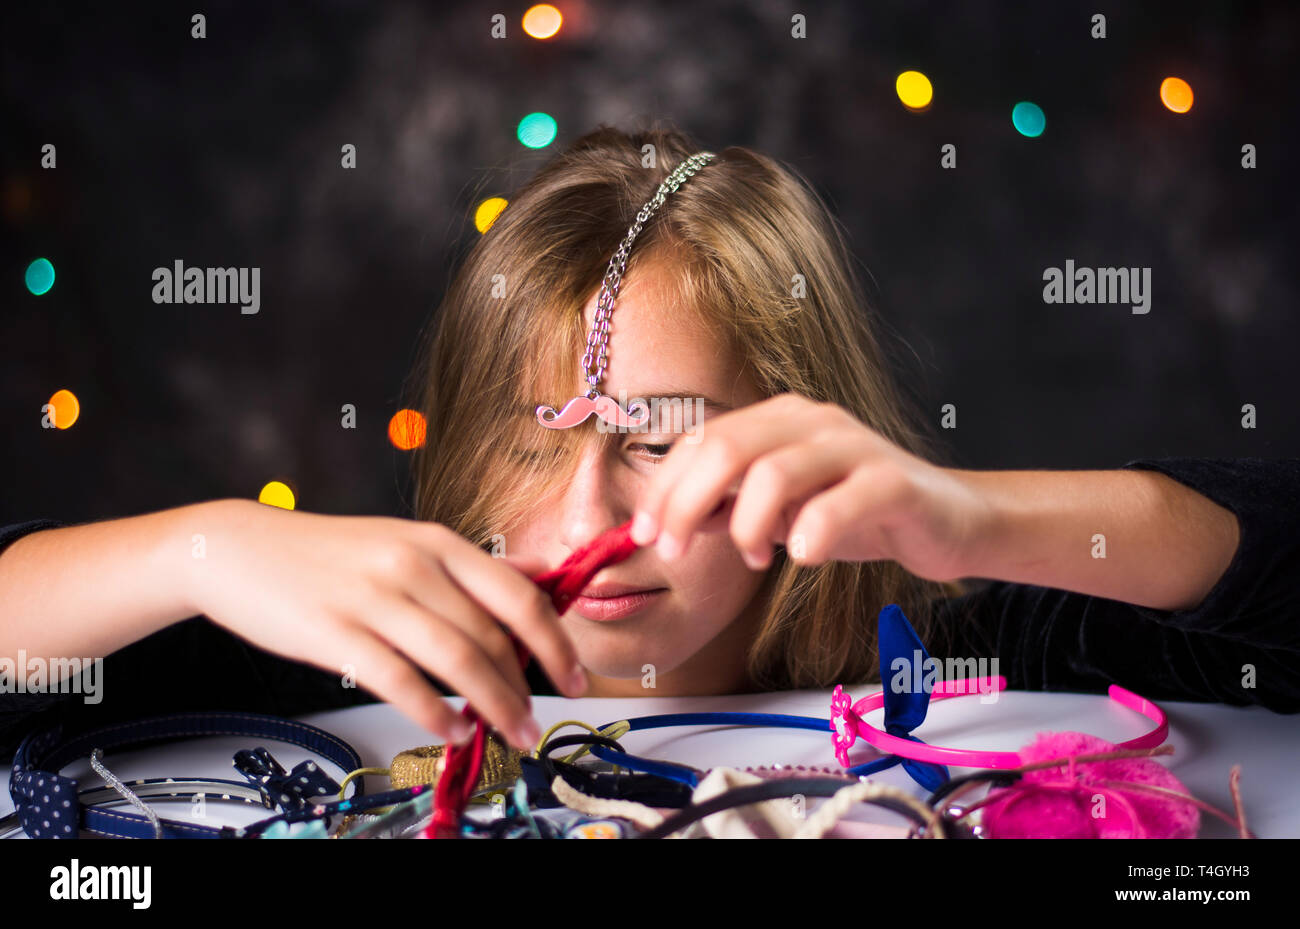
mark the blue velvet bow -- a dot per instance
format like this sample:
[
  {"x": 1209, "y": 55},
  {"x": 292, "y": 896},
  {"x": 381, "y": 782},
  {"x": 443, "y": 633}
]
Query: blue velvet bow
[
  {"x": 905, "y": 709},
  {"x": 292, "y": 790}
]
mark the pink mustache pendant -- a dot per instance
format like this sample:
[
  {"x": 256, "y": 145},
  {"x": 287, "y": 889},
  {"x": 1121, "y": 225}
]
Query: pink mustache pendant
[{"x": 579, "y": 408}]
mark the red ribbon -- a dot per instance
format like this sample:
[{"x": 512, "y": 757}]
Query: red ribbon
[{"x": 462, "y": 763}]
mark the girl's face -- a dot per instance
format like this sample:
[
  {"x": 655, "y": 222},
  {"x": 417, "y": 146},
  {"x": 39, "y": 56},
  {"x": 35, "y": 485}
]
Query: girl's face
[{"x": 694, "y": 616}]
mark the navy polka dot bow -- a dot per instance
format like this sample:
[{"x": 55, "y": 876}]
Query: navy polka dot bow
[{"x": 288, "y": 790}]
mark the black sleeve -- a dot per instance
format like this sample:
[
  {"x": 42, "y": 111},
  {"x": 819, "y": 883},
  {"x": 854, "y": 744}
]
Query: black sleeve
[
  {"x": 191, "y": 665},
  {"x": 1239, "y": 646}
]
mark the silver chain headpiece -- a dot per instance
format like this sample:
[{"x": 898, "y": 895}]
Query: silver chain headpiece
[{"x": 594, "y": 361}]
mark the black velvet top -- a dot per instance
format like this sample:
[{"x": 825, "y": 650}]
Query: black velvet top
[{"x": 1240, "y": 646}]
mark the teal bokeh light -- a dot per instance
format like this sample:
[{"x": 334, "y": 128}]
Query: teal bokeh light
[
  {"x": 536, "y": 130},
  {"x": 40, "y": 276},
  {"x": 1028, "y": 119}
]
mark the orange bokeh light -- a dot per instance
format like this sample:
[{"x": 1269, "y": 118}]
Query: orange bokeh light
[
  {"x": 542, "y": 21},
  {"x": 65, "y": 408},
  {"x": 406, "y": 430},
  {"x": 1176, "y": 94}
]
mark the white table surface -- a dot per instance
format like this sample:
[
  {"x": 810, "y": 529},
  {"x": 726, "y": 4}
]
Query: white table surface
[{"x": 1208, "y": 740}]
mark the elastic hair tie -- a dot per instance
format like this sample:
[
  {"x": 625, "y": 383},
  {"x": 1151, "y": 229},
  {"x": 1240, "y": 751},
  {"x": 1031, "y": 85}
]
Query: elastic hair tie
[
  {"x": 613, "y": 731},
  {"x": 554, "y": 768},
  {"x": 359, "y": 772},
  {"x": 652, "y": 790}
]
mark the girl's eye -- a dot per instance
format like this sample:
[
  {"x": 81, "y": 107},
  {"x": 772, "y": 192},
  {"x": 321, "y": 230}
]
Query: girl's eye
[{"x": 656, "y": 451}]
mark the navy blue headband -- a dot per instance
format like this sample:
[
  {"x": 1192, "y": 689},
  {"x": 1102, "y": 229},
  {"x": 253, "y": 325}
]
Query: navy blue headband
[{"x": 929, "y": 776}]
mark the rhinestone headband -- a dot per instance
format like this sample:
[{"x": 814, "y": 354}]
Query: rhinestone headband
[{"x": 593, "y": 360}]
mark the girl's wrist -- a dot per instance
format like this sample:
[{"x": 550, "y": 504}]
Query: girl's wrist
[
  {"x": 184, "y": 546},
  {"x": 987, "y": 525},
  {"x": 1127, "y": 535}
]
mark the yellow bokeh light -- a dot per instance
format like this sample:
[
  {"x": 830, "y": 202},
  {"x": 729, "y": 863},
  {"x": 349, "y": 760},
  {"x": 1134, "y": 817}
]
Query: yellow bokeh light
[
  {"x": 487, "y": 213},
  {"x": 64, "y": 409},
  {"x": 914, "y": 89},
  {"x": 277, "y": 494},
  {"x": 406, "y": 430},
  {"x": 542, "y": 21},
  {"x": 1176, "y": 94}
]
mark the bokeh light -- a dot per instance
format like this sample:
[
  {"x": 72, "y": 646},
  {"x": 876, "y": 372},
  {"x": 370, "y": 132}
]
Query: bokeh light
[
  {"x": 64, "y": 408},
  {"x": 406, "y": 430},
  {"x": 1176, "y": 94},
  {"x": 278, "y": 494},
  {"x": 914, "y": 89},
  {"x": 487, "y": 213},
  {"x": 1028, "y": 119},
  {"x": 536, "y": 130},
  {"x": 40, "y": 276},
  {"x": 542, "y": 21}
]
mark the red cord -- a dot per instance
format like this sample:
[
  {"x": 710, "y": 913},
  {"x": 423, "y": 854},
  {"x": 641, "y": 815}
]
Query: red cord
[{"x": 463, "y": 763}]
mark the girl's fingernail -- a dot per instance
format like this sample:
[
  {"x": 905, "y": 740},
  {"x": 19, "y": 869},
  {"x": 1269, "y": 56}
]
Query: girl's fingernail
[
  {"x": 643, "y": 528},
  {"x": 530, "y": 734},
  {"x": 668, "y": 547},
  {"x": 461, "y": 733},
  {"x": 578, "y": 682}
]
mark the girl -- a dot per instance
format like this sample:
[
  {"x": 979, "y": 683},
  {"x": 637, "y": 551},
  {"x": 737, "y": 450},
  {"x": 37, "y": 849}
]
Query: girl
[{"x": 790, "y": 497}]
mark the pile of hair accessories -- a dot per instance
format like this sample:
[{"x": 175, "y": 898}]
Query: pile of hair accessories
[{"x": 1060, "y": 785}]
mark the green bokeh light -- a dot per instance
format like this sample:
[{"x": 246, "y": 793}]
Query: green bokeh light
[
  {"x": 1028, "y": 119},
  {"x": 536, "y": 130},
  {"x": 40, "y": 276}
]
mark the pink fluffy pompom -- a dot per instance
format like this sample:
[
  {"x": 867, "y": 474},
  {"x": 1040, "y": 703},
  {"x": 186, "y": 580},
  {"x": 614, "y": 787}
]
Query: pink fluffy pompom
[{"x": 1048, "y": 804}]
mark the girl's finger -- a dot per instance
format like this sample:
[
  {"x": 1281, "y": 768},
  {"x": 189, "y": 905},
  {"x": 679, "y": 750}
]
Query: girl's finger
[
  {"x": 682, "y": 460},
  {"x": 521, "y": 605},
  {"x": 834, "y": 524},
  {"x": 527, "y": 565},
  {"x": 715, "y": 466},
  {"x": 773, "y": 483},
  {"x": 437, "y": 645},
  {"x": 430, "y": 587},
  {"x": 389, "y": 676}
]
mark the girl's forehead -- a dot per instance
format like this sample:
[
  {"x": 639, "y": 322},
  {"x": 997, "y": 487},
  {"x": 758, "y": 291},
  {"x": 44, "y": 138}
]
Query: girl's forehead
[{"x": 654, "y": 338}]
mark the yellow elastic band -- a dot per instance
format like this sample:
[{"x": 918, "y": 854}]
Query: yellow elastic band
[
  {"x": 613, "y": 731},
  {"x": 359, "y": 772}
]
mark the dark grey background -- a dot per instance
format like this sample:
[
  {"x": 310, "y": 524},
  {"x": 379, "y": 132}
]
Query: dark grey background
[{"x": 225, "y": 152}]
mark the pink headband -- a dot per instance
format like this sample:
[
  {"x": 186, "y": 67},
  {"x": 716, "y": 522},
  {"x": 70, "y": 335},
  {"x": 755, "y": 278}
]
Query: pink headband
[{"x": 847, "y": 724}]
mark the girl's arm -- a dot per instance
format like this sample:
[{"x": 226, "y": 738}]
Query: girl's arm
[
  {"x": 384, "y": 602},
  {"x": 91, "y": 589},
  {"x": 812, "y": 477},
  {"x": 1195, "y": 599},
  {"x": 1136, "y": 536},
  {"x": 1237, "y": 646}
]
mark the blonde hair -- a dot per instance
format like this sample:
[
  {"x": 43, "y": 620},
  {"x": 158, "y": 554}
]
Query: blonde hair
[{"x": 509, "y": 334}]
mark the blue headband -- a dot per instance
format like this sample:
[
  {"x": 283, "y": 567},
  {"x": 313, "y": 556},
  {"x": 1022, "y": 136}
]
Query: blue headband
[{"x": 904, "y": 711}]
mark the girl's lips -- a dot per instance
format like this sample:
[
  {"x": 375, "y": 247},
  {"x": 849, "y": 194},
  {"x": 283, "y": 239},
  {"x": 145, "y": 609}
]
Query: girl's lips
[{"x": 602, "y": 609}]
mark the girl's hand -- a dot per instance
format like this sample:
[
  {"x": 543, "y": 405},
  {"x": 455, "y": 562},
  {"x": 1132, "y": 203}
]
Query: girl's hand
[
  {"x": 812, "y": 477},
  {"x": 383, "y": 598}
]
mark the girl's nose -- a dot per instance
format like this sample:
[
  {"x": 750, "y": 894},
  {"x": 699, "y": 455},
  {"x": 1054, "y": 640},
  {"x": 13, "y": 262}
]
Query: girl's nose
[{"x": 592, "y": 503}]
